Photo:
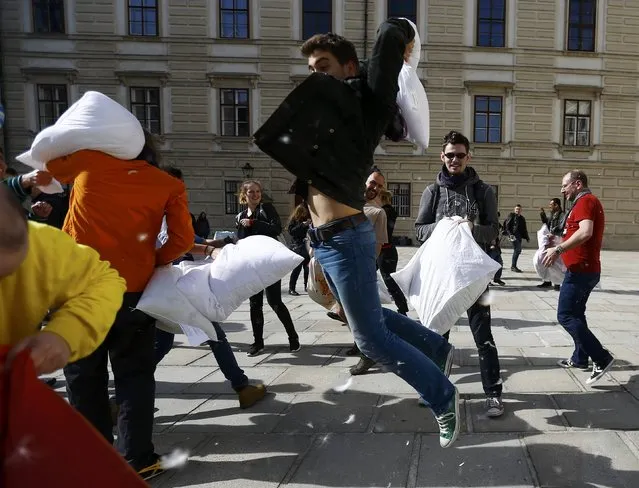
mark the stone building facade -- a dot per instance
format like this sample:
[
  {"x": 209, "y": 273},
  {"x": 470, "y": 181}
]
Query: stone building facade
[{"x": 539, "y": 86}]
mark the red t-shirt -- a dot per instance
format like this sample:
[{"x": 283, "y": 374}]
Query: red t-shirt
[{"x": 585, "y": 258}]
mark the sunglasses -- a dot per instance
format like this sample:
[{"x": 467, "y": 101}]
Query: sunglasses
[{"x": 459, "y": 156}]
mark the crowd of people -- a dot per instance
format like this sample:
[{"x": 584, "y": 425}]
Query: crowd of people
[{"x": 127, "y": 217}]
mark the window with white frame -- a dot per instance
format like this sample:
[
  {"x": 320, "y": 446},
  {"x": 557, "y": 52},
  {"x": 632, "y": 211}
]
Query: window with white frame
[
  {"x": 582, "y": 17},
  {"x": 48, "y": 16},
  {"x": 234, "y": 112},
  {"x": 317, "y": 17},
  {"x": 234, "y": 19},
  {"x": 577, "y": 122},
  {"x": 145, "y": 105},
  {"x": 401, "y": 195},
  {"x": 53, "y": 101}
]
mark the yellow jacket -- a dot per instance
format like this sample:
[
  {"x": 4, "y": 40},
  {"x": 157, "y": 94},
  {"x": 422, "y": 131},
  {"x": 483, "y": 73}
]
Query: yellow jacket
[{"x": 60, "y": 275}]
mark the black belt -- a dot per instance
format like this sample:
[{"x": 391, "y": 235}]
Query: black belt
[{"x": 325, "y": 232}]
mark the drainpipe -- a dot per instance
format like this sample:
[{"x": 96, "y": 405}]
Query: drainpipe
[{"x": 365, "y": 28}]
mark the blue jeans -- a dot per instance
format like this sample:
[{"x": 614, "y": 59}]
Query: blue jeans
[
  {"x": 221, "y": 350},
  {"x": 571, "y": 314},
  {"x": 516, "y": 251},
  {"x": 400, "y": 344}
]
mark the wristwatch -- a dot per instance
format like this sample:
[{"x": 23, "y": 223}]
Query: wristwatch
[{"x": 559, "y": 249}]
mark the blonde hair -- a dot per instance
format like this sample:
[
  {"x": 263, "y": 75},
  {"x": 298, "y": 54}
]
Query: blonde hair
[
  {"x": 300, "y": 213},
  {"x": 386, "y": 197},
  {"x": 244, "y": 188}
]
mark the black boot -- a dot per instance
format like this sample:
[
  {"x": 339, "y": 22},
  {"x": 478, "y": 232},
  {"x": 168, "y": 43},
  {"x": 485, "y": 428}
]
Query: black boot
[
  {"x": 363, "y": 366},
  {"x": 353, "y": 351}
]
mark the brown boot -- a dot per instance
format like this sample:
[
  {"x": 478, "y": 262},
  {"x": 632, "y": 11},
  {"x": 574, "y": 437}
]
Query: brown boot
[{"x": 251, "y": 394}]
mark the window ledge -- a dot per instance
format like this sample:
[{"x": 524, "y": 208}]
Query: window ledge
[
  {"x": 36, "y": 75},
  {"x": 49, "y": 35},
  {"x": 218, "y": 79},
  {"x": 231, "y": 40},
  {"x": 576, "y": 149},
  {"x": 490, "y": 145},
  {"x": 131, "y": 37},
  {"x": 583, "y": 54},
  {"x": 579, "y": 90},
  {"x": 131, "y": 77}
]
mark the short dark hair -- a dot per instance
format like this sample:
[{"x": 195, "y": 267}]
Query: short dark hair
[
  {"x": 340, "y": 47},
  {"x": 13, "y": 222},
  {"x": 174, "y": 171},
  {"x": 375, "y": 169},
  {"x": 579, "y": 175},
  {"x": 518, "y": 205},
  {"x": 454, "y": 137},
  {"x": 556, "y": 201}
]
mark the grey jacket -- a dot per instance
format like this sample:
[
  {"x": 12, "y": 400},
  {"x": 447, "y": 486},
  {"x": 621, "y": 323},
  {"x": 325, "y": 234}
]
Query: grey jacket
[{"x": 460, "y": 200}]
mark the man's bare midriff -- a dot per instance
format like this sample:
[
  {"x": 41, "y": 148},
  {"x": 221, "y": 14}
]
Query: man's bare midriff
[{"x": 324, "y": 209}]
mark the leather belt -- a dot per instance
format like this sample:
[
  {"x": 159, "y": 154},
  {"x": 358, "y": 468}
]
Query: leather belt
[{"x": 325, "y": 232}]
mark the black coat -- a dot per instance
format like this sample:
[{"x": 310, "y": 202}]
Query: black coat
[
  {"x": 326, "y": 130},
  {"x": 515, "y": 225},
  {"x": 266, "y": 222}
]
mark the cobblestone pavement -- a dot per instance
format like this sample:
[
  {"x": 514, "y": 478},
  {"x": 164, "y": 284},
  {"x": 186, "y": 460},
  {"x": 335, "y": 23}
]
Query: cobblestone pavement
[{"x": 556, "y": 432}]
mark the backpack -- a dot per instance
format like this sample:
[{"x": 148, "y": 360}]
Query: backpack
[{"x": 202, "y": 227}]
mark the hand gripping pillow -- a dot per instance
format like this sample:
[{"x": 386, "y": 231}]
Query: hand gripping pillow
[
  {"x": 412, "y": 99},
  {"x": 556, "y": 272},
  {"x": 163, "y": 301},
  {"x": 240, "y": 271},
  {"x": 94, "y": 122},
  {"x": 446, "y": 276}
]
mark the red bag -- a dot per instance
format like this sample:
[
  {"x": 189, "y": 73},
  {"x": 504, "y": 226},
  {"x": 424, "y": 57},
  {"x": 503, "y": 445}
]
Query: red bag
[{"x": 45, "y": 442}]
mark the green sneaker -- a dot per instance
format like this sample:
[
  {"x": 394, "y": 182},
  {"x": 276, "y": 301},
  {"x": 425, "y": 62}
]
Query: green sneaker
[{"x": 449, "y": 423}]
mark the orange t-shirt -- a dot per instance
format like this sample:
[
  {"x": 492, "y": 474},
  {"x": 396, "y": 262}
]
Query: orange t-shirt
[{"x": 116, "y": 207}]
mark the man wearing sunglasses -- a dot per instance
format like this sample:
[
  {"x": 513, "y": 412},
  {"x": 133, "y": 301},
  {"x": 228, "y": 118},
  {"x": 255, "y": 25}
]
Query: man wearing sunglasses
[{"x": 458, "y": 191}]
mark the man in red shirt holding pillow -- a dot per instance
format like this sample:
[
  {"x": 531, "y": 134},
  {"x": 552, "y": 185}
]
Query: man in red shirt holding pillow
[{"x": 580, "y": 249}]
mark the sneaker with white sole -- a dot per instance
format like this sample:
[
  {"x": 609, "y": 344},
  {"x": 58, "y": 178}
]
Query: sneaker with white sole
[
  {"x": 494, "y": 407},
  {"x": 599, "y": 371},
  {"x": 449, "y": 422},
  {"x": 567, "y": 364}
]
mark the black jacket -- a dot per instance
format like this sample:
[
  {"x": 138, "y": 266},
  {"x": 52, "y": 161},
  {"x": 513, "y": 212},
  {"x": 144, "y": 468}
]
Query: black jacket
[
  {"x": 391, "y": 219},
  {"x": 555, "y": 223},
  {"x": 298, "y": 231},
  {"x": 326, "y": 130},
  {"x": 266, "y": 222},
  {"x": 515, "y": 225}
]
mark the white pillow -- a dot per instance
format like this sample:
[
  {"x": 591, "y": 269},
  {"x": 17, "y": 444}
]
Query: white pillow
[
  {"x": 94, "y": 122},
  {"x": 163, "y": 301},
  {"x": 446, "y": 276},
  {"x": 240, "y": 271},
  {"x": 412, "y": 99}
]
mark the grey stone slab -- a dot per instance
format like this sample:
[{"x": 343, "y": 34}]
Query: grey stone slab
[
  {"x": 176, "y": 379},
  {"x": 180, "y": 356},
  {"x": 327, "y": 325},
  {"x": 356, "y": 460},
  {"x": 537, "y": 380},
  {"x": 467, "y": 380},
  {"x": 317, "y": 380},
  {"x": 558, "y": 337},
  {"x": 405, "y": 414},
  {"x": 523, "y": 413},
  {"x": 609, "y": 410},
  {"x": 311, "y": 413},
  {"x": 507, "y": 356},
  {"x": 216, "y": 382},
  {"x": 516, "y": 338},
  {"x": 476, "y": 460},
  {"x": 280, "y": 338},
  {"x": 232, "y": 461},
  {"x": 170, "y": 410},
  {"x": 341, "y": 360},
  {"x": 341, "y": 338},
  {"x": 547, "y": 356},
  {"x": 463, "y": 338},
  {"x": 307, "y": 356},
  {"x": 222, "y": 414},
  {"x": 583, "y": 459},
  {"x": 240, "y": 353}
]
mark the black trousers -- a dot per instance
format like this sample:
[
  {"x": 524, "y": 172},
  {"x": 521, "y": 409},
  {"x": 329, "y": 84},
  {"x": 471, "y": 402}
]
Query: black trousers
[
  {"x": 274, "y": 299},
  {"x": 387, "y": 264},
  {"x": 296, "y": 272},
  {"x": 130, "y": 347},
  {"x": 479, "y": 319}
]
